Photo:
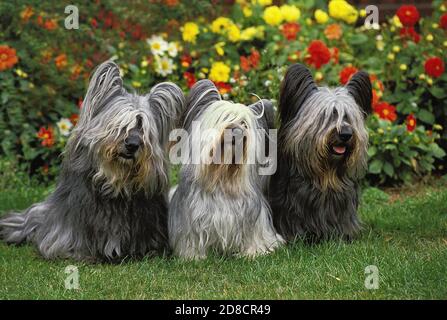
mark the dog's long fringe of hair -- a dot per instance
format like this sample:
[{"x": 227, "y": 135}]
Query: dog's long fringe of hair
[
  {"x": 216, "y": 206},
  {"x": 314, "y": 194},
  {"x": 307, "y": 140},
  {"x": 106, "y": 207}
]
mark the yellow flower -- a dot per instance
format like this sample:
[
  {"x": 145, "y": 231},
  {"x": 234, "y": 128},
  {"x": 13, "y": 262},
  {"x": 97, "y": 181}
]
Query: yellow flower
[
  {"x": 248, "y": 34},
  {"x": 190, "y": 32},
  {"x": 429, "y": 81},
  {"x": 221, "y": 24},
  {"x": 247, "y": 11},
  {"x": 437, "y": 127},
  {"x": 442, "y": 7},
  {"x": 444, "y": 43},
  {"x": 435, "y": 25},
  {"x": 380, "y": 45},
  {"x": 362, "y": 13},
  {"x": 396, "y": 49},
  {"x": 260, "y": 32},
  {"x": 290, "y": 13},
  {"x": 318, "y": 76},
  {"x": 219, "y": 48},
  {"x": 391, "y": 56},
  {"x": 144, "y": 63},
  {"x": 308, "y": 22},
  {"x": 272, "y": 15},
  {"x": 422, "y": 76},
  {"x": 220, "y": 72},
  {"x": 403, "y": 67},
  {"x": 21, "y": 73},
  {"x": 396, "y": 21},
  {"x": 262, "y": 2},
  {"x": 136, "y": 84},
  {"x": 429, "y": 37},
  {"x": 234, "y": 34},
  {"x": 321, "y": 17},
  {"x": 342, "y": 10}
]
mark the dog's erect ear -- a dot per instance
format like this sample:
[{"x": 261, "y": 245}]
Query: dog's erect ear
[
  {"x": 360, "y": 88},
  {"x": 265, "y": 107},
  {"x": 105, "y": 84},
  {"x": 202, "y": 94},
  {"x": 167, "y": 102},
  {"x": 297, "y": 86}
]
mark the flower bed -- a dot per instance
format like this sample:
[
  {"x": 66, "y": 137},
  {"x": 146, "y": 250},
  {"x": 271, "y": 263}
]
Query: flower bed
[{"x": 245, "y": 48}]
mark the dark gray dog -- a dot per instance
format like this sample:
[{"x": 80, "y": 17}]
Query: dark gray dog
[
  {"x": 109, "y": 202},
  {"x": 322, "y": 153}
]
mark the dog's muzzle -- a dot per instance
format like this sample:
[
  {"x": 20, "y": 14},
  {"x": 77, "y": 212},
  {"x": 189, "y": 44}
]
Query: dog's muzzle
[{"x": 131, "y": 145}]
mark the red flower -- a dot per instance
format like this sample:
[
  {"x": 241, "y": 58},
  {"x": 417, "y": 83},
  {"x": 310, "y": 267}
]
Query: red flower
[
  {"x": 47, "y": 136},
  {"x": 74, "y": 118},
  {"x": 250, "y": 62},
  {"x": 190, "y": 79},
  {"x": 223, "y": 87},
  {"x": 94, "y": 23},
  {"x": 410, "y": 32},
  {"x": 8, "y": 57},
  {"x": 290, "y": 30},
  {"x": 245, "y": 64},
  {"x": 319, "y": 54},
  {"x": 254, "y": 58},
  {"x": 335, "y": 54},
  {"x": 186, "y": 60},
  {"x": 408, "y": 15},
  {"x": 347, "y": 73},
  {"x": 385, "y": 111},
  {"x": 434, "y": 67},
  {"x": 411, "y": 123},
  {"x": 443, "y": 21}
]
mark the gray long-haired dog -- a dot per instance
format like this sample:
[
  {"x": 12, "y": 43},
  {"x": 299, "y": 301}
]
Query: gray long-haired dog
[
  {"x": 109, "y": 202},
  {"x": 220, "y": 205},
  {"x": 322, "y": 153}
]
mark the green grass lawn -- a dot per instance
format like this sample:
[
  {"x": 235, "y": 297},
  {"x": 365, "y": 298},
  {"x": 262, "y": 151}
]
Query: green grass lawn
[{"x": 405, "y": 236}]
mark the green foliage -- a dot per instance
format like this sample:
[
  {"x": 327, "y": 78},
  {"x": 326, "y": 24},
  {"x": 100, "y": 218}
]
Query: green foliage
[
  {"x": 399, "y": 155},
  {"x": 43, "y": 91}
]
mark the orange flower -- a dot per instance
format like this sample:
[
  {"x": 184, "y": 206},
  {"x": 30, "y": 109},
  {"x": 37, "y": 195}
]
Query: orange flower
[
  {"x": 333, "y": 31},
  {"x": 8, "y": 57},
  {"x": 50, "y": 24},
  {"x": 335, "y": 55},
  {"x": 171, "y": 3},
  {"x": 61, "y": 61},
  {"x": 27, "y": 13},
  {"x": 75, "y": 71},
  {"x": 47, "y": 136}
]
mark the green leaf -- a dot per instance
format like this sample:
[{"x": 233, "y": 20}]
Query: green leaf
[
  {"x": 388, "y": 169},
  {"x": 358, "y": 39},
  {"x": 372, "y": 150},
  {"x": 426, "y": 116},
  {"x": 375, "y": 166}
]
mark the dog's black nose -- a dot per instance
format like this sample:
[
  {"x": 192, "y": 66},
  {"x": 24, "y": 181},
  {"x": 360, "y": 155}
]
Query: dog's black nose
[
  {"x": 345, "y": 133},
  {"x": 132, "y": 143}
]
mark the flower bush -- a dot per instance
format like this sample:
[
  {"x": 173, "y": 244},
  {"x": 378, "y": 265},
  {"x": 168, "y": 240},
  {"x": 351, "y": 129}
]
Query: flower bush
[{"x": 244, "y": 47}]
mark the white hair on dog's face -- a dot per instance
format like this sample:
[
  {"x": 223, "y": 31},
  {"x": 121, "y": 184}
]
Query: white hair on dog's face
[
  {"x": 215, "y": 122},
  {"x": 222, "y": 206}
]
